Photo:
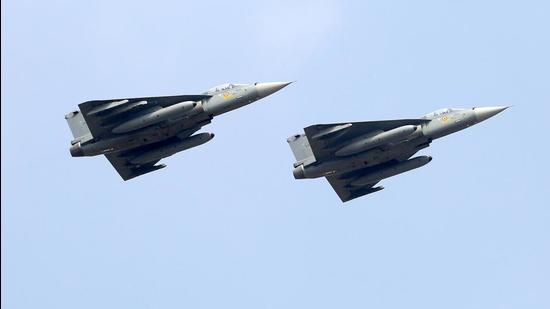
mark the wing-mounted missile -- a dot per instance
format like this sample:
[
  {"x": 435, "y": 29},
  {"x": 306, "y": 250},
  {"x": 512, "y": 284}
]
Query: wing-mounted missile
[
  {"x": 174, "y": 111},
  {"x": 106, "y": 107},
  {"x": 332, "y": 132},
  {"x": 390, "y": 171},
  {"x": 109, "y": 112},
  {"x": 377, "y": 139},
  {"x": 125, "y": 108},
  {"x": 172, "y": 148}
]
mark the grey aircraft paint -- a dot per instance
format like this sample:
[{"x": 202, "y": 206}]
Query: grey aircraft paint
[
  {"x": 135, "y": 133},
  {"x": 355, "y": 156}
]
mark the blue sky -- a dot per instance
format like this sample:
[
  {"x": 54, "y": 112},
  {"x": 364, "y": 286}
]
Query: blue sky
[{"x": 226, "y": 225}]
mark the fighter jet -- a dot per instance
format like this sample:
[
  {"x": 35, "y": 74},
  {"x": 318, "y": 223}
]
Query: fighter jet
[
  {"x": 135, "y": 133},
  {"x": 355, "y": 156}
]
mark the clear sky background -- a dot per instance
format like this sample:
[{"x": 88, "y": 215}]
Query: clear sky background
[{"x": 226, "y": 225}]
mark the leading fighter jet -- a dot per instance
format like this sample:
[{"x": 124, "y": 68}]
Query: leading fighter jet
[
  {"x": 355, "y": 156},
  {"x": 135, "y": 133}
]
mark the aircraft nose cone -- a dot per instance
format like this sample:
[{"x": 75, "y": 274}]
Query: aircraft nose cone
[
  {"x": 483, "y": 113},
  {"x": 265, "y": 89}
]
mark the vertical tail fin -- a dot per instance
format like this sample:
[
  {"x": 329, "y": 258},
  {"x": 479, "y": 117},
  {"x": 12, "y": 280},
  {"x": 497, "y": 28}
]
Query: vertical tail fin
[
  {"x": 78, "y": 126},
  {"x": 301, "y": 149}
]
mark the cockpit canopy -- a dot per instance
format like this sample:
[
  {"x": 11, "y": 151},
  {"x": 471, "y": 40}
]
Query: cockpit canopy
[
  {"x": 223, "y": 87},
  {"x": 440, "y": 112}
]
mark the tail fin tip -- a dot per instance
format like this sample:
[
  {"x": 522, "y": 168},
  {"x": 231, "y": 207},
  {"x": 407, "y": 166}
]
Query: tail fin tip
[
  {"x": 301, "y": 149},
  {"x": 79, "y": 127}
]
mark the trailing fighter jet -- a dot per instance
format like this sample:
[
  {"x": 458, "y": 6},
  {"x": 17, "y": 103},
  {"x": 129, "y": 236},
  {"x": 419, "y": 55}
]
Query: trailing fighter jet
[
  {"x": 135, "y": 133},
  {"x": 355, "y": 156}
]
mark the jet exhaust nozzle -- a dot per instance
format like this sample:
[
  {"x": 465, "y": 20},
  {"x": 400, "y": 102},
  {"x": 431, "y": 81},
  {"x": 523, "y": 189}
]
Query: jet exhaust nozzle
[
  {"x": 76, "y": 150},
  {"x": 298, "y": 172}
]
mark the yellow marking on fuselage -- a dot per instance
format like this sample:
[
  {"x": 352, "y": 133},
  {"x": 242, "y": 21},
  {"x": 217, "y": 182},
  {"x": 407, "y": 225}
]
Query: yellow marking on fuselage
[
  {"x": 445, "y": 119},
  {"x": 227, "y": 95}
]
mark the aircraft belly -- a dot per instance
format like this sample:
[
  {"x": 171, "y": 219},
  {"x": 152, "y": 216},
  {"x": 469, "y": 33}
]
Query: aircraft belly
[
  {"x": 153, "y": 134},
  {"x": 158, "y": 134},
  {"x": 370, "y": 158}
]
